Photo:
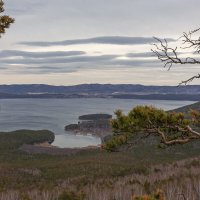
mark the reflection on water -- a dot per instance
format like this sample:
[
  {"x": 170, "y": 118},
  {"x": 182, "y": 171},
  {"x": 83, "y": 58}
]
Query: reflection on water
[{"x": 54, "y": 114}]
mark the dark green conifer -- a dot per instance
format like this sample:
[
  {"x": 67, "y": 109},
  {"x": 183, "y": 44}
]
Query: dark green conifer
[{"x": 5, "y": 20}]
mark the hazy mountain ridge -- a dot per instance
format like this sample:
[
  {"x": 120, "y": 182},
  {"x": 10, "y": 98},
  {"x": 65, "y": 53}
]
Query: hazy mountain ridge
[
  {"x": 99, "y": 88},
  {"x": 123, "y": 91}
]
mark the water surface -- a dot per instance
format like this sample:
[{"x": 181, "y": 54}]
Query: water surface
[{"x": 54, "y": 114}]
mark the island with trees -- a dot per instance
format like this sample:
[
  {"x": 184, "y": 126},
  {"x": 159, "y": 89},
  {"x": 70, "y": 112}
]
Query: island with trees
[{"x": 96, "y": 124}]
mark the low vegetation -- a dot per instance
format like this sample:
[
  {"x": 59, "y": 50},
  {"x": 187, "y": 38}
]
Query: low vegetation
[
  {"x": 96, "y": 174},
  {"x": 158, "y": 195},
  {"x": 172, "y": 127},
  {"x": 134, "y": 171},
  {"x": 13, "y": 140}
]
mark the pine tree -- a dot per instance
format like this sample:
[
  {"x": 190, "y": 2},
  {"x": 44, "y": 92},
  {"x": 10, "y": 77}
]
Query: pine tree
[
  {"x": 172, "y": 127},
  {"x": 5, "y": 20}
]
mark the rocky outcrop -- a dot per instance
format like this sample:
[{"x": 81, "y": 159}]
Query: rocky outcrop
[
  {"x": 93, "y": 117},
  {"x": 72, "y": 127},
  {"x": 95, "y": 124}
]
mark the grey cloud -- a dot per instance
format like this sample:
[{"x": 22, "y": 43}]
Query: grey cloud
[
  {"x": 39, "y": 69},
  {"x": 115, "y": 40},
  {"x": 136, "y": 55},
  {"x": 47, "y": 70},
  {"x": 133, "y": 63},
  {"x": 26, "y": 54},
  {"x": 58, "y": 62},
  {"x": 149, "y": 54},
  {"x": 24, "y": 7},
  {"x": 47, "y": 65},
  {"x": 3, "y": 67},
  {"x": 74, "y": 59}
]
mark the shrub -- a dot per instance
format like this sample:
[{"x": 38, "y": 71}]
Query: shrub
[
  {"x": 67, "y": 195},
  {"x": 158, "y": 195}
]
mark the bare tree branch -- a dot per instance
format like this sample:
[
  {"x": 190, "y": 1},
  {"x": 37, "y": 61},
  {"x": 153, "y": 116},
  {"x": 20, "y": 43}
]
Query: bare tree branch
[
  {"x": 192, "y": 134},
  {"x": 189, "y": 80},
  {"x": 170, "y": 55}
]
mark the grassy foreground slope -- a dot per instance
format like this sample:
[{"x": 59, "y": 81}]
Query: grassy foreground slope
[
  {"x": 93, "y": 174},
  {"x": 97, "y": 174}
]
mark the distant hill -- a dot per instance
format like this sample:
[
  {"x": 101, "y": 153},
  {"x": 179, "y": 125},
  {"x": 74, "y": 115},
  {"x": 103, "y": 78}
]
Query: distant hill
[
  {"x": 186, "y": 109},
  {"x": 99, "y": 88},
  {"x": 123, "y": 91}
]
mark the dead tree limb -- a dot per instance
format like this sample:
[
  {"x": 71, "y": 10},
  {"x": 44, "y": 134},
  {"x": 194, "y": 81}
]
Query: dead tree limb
[{"x": 172, "y": 55}]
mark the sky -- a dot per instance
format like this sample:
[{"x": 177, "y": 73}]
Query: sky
[{"x": 69, "y": 42}]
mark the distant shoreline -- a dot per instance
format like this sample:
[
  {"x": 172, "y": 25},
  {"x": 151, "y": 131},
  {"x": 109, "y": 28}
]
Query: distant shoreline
[
  {"x": 167, "y": 97},
  {"x": 120, "y": 91},
  {"x": 43, "y": 148},
  {"x": 101, "y": 134}
]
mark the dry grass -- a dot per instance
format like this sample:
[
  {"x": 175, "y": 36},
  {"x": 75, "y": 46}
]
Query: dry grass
[
  {"x": 178, "y": 180},
  {"x": 100, "y": 175}
]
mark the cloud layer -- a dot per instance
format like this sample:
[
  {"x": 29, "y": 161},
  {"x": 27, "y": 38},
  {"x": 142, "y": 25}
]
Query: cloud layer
[
  {"x": 49, "y": 54},
  {"x": 65, "y": 42},
  {"x": 54, "y": 60},
  {"x": 112, "y": 40}
]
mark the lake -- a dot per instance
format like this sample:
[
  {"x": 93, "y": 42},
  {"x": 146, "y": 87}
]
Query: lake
[{"x": 54, "y": 114}]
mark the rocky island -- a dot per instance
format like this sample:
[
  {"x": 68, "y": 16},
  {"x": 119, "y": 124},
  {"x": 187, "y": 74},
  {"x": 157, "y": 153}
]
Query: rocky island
[{"x": 95, "y": 124}]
